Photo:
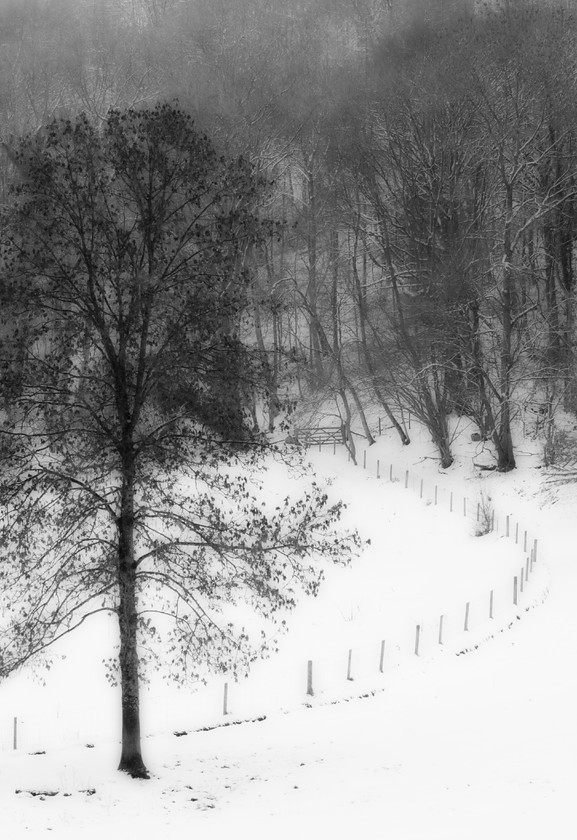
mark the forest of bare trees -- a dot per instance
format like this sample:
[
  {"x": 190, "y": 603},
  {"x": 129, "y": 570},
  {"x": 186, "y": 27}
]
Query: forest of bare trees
[{"x": 422, "y": 161}]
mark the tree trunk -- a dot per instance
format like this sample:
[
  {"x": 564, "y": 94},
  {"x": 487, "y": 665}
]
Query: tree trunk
[
  {"x": 131, "y": 755},
  {"x": 361, "y": 411},
  {"x": 346, "y": 430},
  {"x": 362, "y": 311},
  {"x": 441, "y": 441},
  {"x": 316, "y": 360},
  {"x": 505, "y": 455}
]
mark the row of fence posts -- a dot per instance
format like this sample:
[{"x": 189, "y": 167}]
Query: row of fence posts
[
  {"x": 518, "y": 587},
  {"x": 519, "y": 582}
]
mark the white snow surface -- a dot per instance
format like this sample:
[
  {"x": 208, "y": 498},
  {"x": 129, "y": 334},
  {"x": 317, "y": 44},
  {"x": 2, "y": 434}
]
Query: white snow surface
[{"x": 473, "y": 738}]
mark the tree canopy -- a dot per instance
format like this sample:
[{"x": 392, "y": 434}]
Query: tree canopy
[{"x": 129, "y": 443}]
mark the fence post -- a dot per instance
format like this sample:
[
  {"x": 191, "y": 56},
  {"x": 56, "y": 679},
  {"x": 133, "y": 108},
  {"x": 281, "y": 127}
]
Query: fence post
[
  {"x": 534, "y": 551},
  {"x": 507, "y": 526},
  {"x": 365, "y": 459},
  {"x": 525, "y": 542},
  {"x": 522, "y": 577},
  {"x": 379, "y": 426},
  {"x": 382, "y": 659},
  {"x": 417, "y": 639},
  {"x": 464, "y": 505},
  {"x": 320, "y": 446},
  {"x": 451, "y": 503},
  {"x": 350, "y": 665},
  {"x": 441, "y": 620},
  {"x": 493, "y": 521},
  {"x": 310, "y": 678},
  {"x": 516, "y": 533},
  {"x": 436, "y": 493},
  {"x": 334, "y": 447},
  {"x": 527, "y": 570},
  {"x": 466, "y": 625},
  {"x": 515, "y": 590},
  {"x": 478, "y": 510},
  {"x": 15, "y": 734},
  {"x": 532, "y": 558},
  {"x": 406, "y": 479},
  {"x": 409, "y": 419},
  {"x": 491, "y": 604},
  {"x": 225, "y": 700},
  {"x": 378, "y": 469},
  {"x": 391, "y": 473}
]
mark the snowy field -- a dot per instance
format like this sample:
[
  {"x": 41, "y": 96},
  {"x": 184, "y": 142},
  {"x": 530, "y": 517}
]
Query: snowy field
[{"x": 473, "y": 738}]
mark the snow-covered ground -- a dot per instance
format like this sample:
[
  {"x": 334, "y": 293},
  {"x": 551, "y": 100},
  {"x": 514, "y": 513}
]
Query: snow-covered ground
[{"x": 474, "y": 738}]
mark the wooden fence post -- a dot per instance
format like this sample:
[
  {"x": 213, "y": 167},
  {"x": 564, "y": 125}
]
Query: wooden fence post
[
  {"x": 491, "y": 604},
  {"x": 334, "y": 447},
  {"x": 515, "y": 590},
  {"x": 406, "y": 479},
  {"x": 391, "y": 473},
  {"x": 527, "y": 570},
  {"x": 532, "y": 558},
  {"x": 478, "y": 510},
  {"x": 365, "y": 459},
  {"x": 466, "y": 625},
  {"x": 525, "y": 542},
  {"x": 464, "y": 505},
  {"x": 225, "y": 700},
  {"x": 382, "y": 658},
  {"x": 441, "y": 620},
  {"x": 436, "y": 493},
  {"x": 522, "y": 577},
  {"x": 516, "y": 533},
  {"x": 417, "y": 639},
  {"x": 310, "y": 678},
  {"x": 451, "y": 503},
  {"x": 507, "y": 526},
  {"x": 379, "y": 426},
  {"x": 378, "y": 469},
  {"x": 350, "y": 665},
  {"x": 493, "y": 521},
  {"x": 15, "y": 734},
  {"x": 421, "y": 494},
  {"x": 534, "y": 551}
]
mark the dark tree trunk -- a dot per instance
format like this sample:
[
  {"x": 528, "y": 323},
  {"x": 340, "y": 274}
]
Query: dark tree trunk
[
  {"x": 441, "y": 441},
  {"x": 346, "y": 431},
  {"x": 316, "y": 359},
  {"x": 131, "y": 756},
  {"x": 362, "y": 310},
  {"x": 504, "y": 440}
]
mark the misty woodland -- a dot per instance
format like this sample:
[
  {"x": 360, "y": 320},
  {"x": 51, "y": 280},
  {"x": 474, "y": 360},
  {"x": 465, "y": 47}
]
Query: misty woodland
[{"x": 225, "y": 221}]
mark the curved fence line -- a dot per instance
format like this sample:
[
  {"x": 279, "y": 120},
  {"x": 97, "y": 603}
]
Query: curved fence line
[{"x": 367, "y": 665}]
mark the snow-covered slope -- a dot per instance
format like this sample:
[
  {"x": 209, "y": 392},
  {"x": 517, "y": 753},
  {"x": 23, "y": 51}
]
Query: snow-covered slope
[{"x": 475, "y": 745}]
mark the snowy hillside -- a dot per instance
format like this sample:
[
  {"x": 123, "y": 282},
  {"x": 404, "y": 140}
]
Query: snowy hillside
[{"x": 473, "y": 738}]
